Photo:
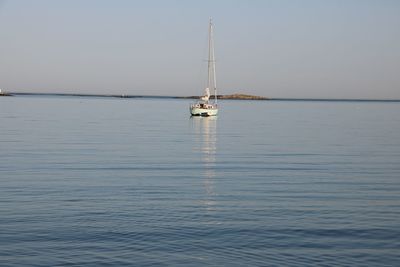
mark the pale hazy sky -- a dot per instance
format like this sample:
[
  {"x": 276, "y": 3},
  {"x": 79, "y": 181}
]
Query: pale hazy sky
[{"x": 321, "y": 49}]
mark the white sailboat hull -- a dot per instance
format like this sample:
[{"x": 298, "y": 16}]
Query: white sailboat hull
[
  {"x": 203, "y": 107},
  {"x": 204, "y": 112}
]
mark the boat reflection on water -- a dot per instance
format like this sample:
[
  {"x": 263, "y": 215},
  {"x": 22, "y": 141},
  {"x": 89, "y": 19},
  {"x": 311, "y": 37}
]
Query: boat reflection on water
[{"x": 205, "y": 143}]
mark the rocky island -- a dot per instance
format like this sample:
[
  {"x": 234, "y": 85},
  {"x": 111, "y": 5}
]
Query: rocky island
[
  {"x": 234, "y": 97},
  {"x": 242, "y": 97}
]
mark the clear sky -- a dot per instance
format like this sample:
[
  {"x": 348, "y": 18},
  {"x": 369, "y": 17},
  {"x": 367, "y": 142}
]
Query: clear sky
[{"x": 317, "y": 49}]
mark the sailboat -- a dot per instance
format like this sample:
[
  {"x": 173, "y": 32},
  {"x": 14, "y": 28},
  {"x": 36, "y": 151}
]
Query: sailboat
[{"x": 204, "y": 106}]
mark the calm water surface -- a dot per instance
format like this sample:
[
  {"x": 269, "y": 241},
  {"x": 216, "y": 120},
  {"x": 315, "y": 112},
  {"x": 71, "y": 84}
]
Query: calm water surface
[{"x": 113, "y": 182}]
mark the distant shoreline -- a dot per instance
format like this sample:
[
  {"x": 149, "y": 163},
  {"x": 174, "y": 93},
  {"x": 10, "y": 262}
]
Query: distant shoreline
[
  {"x": 220, "y": 97},
  {"x": 230, "y": 97}
]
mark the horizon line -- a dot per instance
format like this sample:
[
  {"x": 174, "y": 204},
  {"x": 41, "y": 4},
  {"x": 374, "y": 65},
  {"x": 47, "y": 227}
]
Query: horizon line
[{"x": 190, "y": 97}]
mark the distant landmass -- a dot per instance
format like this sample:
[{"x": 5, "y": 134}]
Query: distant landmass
[
  {"x": 222, "y": 97},
  {"x": 233, "y": 96},
  {"x": 243, "y": 96}
]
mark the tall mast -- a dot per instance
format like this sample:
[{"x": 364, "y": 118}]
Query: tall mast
[
  {"x": 212, "y": 81},
  {"x": 213, "y": 60},
  {"x": 209, "y": 56}
]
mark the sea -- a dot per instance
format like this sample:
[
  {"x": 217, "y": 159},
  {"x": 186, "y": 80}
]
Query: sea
[{"x": 102, "y": 181}]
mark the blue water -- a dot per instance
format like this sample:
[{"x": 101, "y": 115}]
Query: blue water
[{"x": 113, "y": 182}]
